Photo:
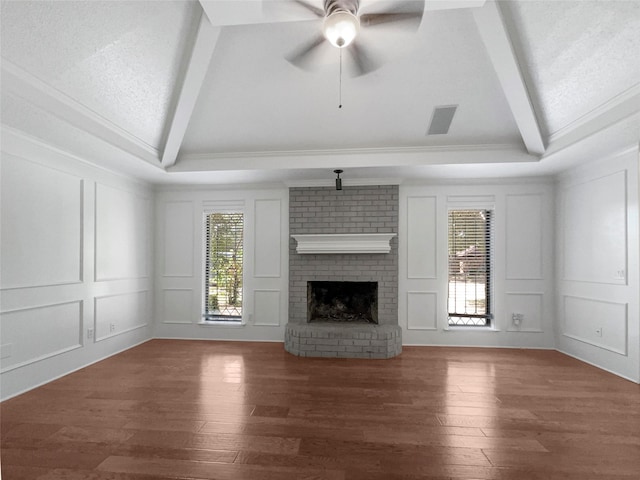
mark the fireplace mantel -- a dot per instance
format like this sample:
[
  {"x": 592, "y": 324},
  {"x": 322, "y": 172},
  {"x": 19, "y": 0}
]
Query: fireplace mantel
[{"x": 344, "y": 243}]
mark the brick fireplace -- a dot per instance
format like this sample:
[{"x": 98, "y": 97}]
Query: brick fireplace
[{"x": 354, "y": 210}]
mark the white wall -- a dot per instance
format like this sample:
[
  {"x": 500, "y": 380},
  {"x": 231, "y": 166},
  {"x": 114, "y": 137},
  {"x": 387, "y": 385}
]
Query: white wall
[
  {"x": 522, "y": 263},
  {"x": 598, "y": 317},
  {"x": 179, "y": 262},
  {"x": 79, "y": 253},
  {"x": 75, "y": 271}
]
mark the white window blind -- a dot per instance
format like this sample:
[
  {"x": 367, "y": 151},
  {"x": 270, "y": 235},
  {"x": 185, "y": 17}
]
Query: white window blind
[
  {"x": 223, "y": 266},
  {"x": 469, "y": 298}
]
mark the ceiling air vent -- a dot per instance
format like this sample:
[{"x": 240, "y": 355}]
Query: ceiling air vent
[{"x": 441, "y": 119}]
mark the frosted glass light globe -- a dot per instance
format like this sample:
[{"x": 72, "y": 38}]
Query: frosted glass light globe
[{"x": 340, "y": 28}]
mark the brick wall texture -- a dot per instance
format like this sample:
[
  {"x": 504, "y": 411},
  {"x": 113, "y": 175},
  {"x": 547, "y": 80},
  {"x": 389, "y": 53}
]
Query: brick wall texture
[{"x": 357, "y": 209}]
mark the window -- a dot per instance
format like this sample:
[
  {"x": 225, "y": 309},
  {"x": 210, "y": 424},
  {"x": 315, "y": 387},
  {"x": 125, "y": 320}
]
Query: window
[
  {"x": 223, "y": 267},
  {"x": 469, "y": 298}
]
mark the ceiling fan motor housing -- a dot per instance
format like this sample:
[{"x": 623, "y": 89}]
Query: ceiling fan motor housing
[{"x": 333, "y": 6}]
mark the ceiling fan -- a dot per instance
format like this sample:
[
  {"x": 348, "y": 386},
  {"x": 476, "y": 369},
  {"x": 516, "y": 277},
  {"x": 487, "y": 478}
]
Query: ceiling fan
[{"x": 341, "y": 24}]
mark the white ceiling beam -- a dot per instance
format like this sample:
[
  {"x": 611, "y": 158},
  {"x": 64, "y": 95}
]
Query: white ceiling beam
[
  {"x": 236, "y": 12},
  {"x": 353, "y": 158},
  {"x": 203, "y": 48},
  {"x": 501, "y": 52}
]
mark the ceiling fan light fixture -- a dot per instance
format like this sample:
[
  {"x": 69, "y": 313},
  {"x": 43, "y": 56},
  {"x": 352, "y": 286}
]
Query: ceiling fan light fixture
[
  {"x": 341, "y": 28},
  {"x": 338, "y": 179}
]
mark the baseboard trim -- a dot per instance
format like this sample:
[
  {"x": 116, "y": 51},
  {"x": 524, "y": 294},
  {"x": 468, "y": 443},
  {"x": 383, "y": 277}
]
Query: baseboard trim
[
  {"x": 617, "y": 374},
  {"x": 196, "y": 339},
  {"x": 75, "y": 370}
]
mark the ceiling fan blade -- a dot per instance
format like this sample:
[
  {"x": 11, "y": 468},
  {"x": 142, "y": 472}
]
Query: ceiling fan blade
[
  {"x": 453, "y": 4},
  {"x": 302, "y": 57},
  {"x": 313, "y": 9},
  {"x": 362, "y": 59},
  {"x": 278, "y": 11},
  {"x": 405, "y": 12}
]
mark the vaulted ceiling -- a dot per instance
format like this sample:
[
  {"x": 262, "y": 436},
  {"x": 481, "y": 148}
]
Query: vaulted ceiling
[{"x": 201, "y": 92}]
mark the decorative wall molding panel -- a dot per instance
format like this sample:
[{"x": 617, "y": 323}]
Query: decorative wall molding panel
[
  {"x": 530, "y": 306},
  {"x": 40, "y": 203},
  {"x": 178, "y": 250},
  {"x": 422, "y": 235},
  {"x": 599, "y": 323},
  {"x": 178, "y": 303},
  {"x": 597, "y": 206},
  {"x": 122, "y": 217},
  {"x": 266, "y": 305},
  {"x": 120, "y": 313},
  {"x": 422, "y": 311},
  {"x": 33, "y": 334},
  {"x": 524, "y": 237},
  {"x": 267, "y": 228}
]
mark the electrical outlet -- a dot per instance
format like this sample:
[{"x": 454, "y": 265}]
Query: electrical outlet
[
  {"x": 112, "y": 327},
  {"x": 599, "y": 331},
  {"x": 90, "y": 333}
]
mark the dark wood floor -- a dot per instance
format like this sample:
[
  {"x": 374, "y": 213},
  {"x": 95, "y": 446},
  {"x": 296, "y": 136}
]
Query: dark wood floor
[{"x": 250, "y": 411}]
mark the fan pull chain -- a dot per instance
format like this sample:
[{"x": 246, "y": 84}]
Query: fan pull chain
[{"x": 340, "y": 83}]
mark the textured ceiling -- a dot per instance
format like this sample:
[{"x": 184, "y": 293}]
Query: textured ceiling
[
  {"x": 578, "y": 54},
  {"x": 120, "y": 59},
  {"x": 200, "y": 91}
]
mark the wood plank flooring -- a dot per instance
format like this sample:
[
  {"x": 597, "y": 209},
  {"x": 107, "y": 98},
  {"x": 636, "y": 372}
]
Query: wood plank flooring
[{"x": 172, "y": 409}]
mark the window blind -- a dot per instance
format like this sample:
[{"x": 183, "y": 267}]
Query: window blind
[{"x": 469, "y": 292}]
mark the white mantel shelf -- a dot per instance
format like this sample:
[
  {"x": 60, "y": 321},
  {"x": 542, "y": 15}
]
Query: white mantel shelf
[{"x": 344, "y": 243}]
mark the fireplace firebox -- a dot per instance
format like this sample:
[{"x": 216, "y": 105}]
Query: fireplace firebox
[{"x": 350, "y": 302}]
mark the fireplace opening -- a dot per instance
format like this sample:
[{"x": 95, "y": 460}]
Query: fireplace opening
[{"x": 353, "y": 302}]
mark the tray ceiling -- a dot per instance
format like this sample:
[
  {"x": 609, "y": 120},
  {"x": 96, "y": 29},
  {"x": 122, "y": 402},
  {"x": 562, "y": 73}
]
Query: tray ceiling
[{"x": 192, "y": 91}]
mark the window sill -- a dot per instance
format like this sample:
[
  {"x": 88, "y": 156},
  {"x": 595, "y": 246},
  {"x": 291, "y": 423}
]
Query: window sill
[
  {"x": 222, "y": 324},
  {"x": 471, "y": 329}
]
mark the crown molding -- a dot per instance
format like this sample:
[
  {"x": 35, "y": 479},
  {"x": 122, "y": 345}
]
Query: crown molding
[
  {"x": 621, "y": 110},
  {"x": 619, "y": 107},
  {"x": 22, "y": 84},
  {"x": 624, "y": 119},
  {"x": 498, "y": 181},
  {"x": 20, "y": 144}
]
